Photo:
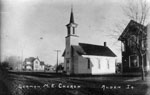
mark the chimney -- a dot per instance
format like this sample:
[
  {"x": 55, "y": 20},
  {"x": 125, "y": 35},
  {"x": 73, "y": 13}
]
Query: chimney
[{"x": 105, "y": 44}]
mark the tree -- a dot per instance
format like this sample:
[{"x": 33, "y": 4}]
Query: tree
[
  {"x": 138, "y": 11},
  {"x": 141, "y": 47}
]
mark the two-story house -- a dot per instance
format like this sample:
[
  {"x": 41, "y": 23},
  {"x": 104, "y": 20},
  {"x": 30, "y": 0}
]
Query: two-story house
[
  {"x": 135, "y": 52},
  {"x": 33, "y": 64}
]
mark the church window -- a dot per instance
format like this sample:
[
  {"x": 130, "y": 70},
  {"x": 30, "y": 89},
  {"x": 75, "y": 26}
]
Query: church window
[
  {"x": 73, "y": 30},
  {"x": 67, "y": 64},
  {"x": 107, "y": 64},
  {"x": 68, "y": 31},
  {"x": 99, "y": 64},
  {"x": 88, "y": 63}
]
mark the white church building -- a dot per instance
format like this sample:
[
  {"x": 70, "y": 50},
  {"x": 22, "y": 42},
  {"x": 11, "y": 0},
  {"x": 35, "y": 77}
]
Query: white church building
[{"x": 83, "y": 58}]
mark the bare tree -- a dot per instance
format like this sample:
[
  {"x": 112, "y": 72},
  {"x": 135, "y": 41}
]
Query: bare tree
[
  {"x": 137, "y": 10},
  {"x": 141, "y": 47}
]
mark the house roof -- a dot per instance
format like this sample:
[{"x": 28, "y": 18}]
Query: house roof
[
  {"x": 130, "y": 25},
  {"x": 30, "y": 59},
  {"x": 90, "y": 49}
]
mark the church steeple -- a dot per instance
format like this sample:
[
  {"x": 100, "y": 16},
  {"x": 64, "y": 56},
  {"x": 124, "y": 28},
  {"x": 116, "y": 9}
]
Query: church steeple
[
  {"x": 71, "y": 16},
  {"x": 72, "y": 25}
]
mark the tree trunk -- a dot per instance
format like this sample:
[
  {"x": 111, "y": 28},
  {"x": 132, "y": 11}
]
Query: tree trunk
[{"x": 142, "y": 69}]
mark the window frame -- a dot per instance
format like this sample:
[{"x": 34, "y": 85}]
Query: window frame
[
  {"x": 99, "y": 63},
  {"x": 88, "y": 63},
  {"x": 67, "y": 63},
  {"x": 137, "y": 57},
  {"x": 108, "y": 66}
]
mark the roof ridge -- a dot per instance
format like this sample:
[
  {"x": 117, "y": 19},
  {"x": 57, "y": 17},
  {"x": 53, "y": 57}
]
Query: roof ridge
[{"x": 92, "y": 44}]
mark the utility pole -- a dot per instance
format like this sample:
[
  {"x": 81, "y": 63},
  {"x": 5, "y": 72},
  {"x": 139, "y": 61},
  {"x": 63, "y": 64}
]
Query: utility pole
[{"x": 57, "y": 60}]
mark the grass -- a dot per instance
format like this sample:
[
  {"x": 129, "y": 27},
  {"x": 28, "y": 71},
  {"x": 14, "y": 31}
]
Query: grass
[{"x": 90, "y": 85}]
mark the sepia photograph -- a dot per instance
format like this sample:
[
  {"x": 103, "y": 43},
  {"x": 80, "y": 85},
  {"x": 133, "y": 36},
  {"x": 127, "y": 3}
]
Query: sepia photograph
[{"x": 74, "y": 47}]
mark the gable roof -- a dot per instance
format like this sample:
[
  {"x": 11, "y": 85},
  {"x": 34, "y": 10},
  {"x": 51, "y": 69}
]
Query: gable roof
[
  {"x": 97, "y": 50},
  {"x": 132, "y": 24},
  {"x": 30, "y": 59},
  {"x": 90, "y": 49}
]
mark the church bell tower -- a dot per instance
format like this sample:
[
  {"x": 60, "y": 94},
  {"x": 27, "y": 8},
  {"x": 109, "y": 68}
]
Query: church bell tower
[{"x": 71, "y": 39}]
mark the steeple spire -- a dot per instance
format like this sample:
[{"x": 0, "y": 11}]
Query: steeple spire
[
  {"x": 72, "y": 25},
  {"x": 71, "y": 16}
]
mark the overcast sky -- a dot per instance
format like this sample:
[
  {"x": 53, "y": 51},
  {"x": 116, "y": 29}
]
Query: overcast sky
[{"x": 32, "y": 28}]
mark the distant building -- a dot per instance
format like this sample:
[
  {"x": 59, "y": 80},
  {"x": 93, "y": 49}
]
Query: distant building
[
  {"x": 48, "y": 68},
  {"x": 135, "y": 40},
  {"x": 33, "y": 64},
  {"x": 83, "y": 58},
  {"x": 28, "y": 63}
]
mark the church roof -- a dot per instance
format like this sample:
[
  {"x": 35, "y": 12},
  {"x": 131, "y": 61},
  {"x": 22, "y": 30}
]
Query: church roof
[
  {"x": 90, "y": 49},
  {"x": 78, "y": 49},
  {"x": 97, "y": 50}
]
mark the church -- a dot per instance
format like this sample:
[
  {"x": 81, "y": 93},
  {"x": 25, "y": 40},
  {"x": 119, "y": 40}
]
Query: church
[{"x": 85, "y": 58}]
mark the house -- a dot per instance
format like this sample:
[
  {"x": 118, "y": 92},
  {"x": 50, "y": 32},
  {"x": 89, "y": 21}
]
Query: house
[
  {"x": 48, "y": 67},
  {"x": 28, "y": 63},
  {"x": 60, "y": 67},
  {"x": 33, "y": 64},
  {"x": 38, "y": 65},
  {"x": 83, "y": 58},
  {"x": 135, "y": 47}
]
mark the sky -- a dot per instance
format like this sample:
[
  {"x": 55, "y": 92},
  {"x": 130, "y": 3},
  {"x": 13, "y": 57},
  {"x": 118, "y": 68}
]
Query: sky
[{"x": 32, "y": 28}]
